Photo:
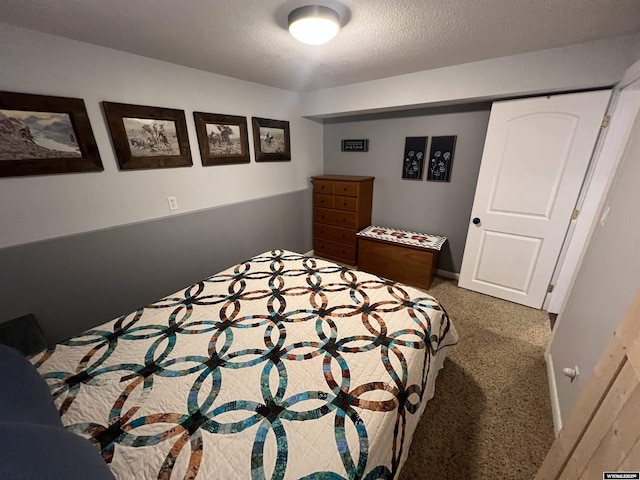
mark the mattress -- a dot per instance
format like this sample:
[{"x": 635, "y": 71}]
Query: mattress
[{"x": 282, "y": 366}]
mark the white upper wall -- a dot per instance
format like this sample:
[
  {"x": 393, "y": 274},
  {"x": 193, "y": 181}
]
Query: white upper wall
[
  {"x": 580, "y": 66},
  {"x": 42, "y": 207}
]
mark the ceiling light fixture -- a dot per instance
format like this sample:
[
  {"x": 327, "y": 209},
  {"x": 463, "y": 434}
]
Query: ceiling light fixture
[{"x": 314, "y": 24}]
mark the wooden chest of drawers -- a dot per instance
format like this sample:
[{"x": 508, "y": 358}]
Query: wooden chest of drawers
[{"x": 341, "y": 207}]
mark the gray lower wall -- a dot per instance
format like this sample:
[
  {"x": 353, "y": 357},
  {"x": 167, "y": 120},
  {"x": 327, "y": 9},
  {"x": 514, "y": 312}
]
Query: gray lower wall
[
  {"x": 428, "y": 207},
  {"x": 74, "y": 283}
]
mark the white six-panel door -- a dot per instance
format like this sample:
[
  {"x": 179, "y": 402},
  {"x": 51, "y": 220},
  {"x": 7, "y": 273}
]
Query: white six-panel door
[{"x": 535, "y": 157}]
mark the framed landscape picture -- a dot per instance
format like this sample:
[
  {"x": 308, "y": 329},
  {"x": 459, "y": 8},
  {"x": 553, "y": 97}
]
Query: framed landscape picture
[
  {"x": 223, "y": 139},
  {"x": 148, "y": 137},
  {"x": 413, "y": 163},
  {"x": 441, "y": 158},
  {"x": 42, "y": 135},
  {"x": 271, "y": 140}
]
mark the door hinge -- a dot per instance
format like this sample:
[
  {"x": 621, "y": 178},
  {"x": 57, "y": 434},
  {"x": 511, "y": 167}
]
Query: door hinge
[
  {"x": 606, "y": 120},
  {"x": 575, "y": 214},
  {"x": 550, "y": 288}
]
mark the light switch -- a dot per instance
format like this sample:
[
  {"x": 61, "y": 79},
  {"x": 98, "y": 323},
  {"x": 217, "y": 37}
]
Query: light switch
[{"x": 173, "y": 203}]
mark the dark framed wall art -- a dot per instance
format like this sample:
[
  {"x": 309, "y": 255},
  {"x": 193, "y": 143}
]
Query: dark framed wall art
[
  {"x": 42, "y": 135},
  {"x": 271, "y": 140},
  {"x": 441, "y": 158},
  {"x": 148, "y": 137},
  {"x": 413, "y": 163},
  {"x": 361, "y": 145},
  {"x": 223, "y": 139}
]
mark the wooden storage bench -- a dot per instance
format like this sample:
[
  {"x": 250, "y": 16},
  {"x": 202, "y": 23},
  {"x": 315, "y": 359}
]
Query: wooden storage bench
[{"x": 407, "y": 257}]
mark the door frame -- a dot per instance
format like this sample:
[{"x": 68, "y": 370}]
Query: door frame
[
  {"x": 610, "y": 148},
  {"x": 624, "y": 106}
]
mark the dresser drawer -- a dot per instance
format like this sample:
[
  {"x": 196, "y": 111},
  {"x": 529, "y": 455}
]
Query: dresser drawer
[
  {"x": 349, "y": 189},
  {"x": 323, "y": 186},
  {"x": 322, "y": 200},
  {"x": 334, "y": 217},
  {"x": 349, "y": 204},
  {"x": 335, "y": 234},
  {"x": 341, "y": 206},
  {"x": 338, "y": 251}
]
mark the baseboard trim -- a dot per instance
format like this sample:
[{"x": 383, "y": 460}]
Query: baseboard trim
[
  {"x": 447, "y": 274},
  {"x": 308, "y": 254},
  {"x": 553, "y": 394}
]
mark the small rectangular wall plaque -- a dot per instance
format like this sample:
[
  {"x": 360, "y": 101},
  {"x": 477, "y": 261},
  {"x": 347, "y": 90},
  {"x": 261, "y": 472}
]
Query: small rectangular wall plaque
[{"x": 355, "y": 145}]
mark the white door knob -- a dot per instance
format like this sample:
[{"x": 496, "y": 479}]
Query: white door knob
[{"x": 572, "y": 373}]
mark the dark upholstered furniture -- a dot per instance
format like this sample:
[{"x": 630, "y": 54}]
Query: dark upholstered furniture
[
  {"x": 24, "y": 334},
  {"x": 24, "y": 395},
  {"x": 33, "y": 442}
]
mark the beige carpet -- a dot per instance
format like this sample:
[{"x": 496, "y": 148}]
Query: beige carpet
[{"x": 491, "y": 416}]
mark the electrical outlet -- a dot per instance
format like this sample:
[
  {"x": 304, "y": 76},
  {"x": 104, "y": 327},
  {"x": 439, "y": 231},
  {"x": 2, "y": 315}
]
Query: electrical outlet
[{"x": 173, "y": 203}]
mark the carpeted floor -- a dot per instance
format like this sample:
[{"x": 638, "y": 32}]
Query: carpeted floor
[{"x": 491, "y": 416}]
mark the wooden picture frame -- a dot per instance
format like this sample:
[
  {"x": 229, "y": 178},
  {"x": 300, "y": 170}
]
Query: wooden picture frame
[
  {"x": 42, "y": 135},
  {"x": 271, "y": 140},
  {"x": 223, "y": 139},
  {"x": 148, "y": 137}
]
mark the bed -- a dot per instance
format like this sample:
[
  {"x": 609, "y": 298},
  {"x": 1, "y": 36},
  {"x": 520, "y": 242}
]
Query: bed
[{"x": 282, "y": 366}]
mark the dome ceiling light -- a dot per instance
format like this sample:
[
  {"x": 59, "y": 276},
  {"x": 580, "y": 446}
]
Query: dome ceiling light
[{"x": 314, "y": 24}]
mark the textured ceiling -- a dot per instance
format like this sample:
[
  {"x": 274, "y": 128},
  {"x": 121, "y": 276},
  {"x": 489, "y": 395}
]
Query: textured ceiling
[{"x": 247, "y": 39}]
